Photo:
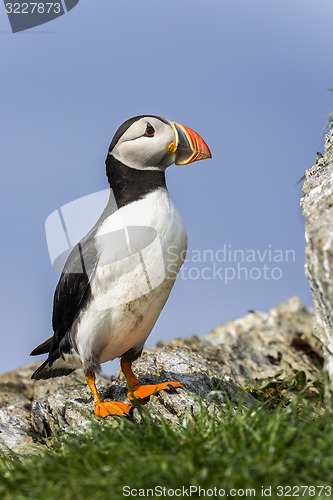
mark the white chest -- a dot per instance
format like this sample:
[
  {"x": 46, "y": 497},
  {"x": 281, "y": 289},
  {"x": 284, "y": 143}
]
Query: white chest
[
  {"x": 141, "y": 248},
  {"x": 141, "y": 245}
]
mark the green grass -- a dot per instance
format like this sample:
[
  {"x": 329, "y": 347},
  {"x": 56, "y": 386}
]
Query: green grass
[{"x": 287, "y": 445}]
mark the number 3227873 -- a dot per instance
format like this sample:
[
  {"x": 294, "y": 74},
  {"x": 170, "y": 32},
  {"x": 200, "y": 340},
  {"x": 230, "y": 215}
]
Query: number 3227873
[{"x": 33, "y": 8}]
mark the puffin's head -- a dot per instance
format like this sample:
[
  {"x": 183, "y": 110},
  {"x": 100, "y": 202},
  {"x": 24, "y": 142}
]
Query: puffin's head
[{"x": 153, "y": 143}]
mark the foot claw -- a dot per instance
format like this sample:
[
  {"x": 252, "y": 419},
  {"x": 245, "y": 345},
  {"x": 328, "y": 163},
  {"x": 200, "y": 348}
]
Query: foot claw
[
  {"x": 106, "y": 408},
  {"x": 144, "y": 391}
]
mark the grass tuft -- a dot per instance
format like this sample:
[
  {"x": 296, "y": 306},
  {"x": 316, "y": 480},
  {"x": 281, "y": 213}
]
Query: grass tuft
[{"x": 262, "y": 446}]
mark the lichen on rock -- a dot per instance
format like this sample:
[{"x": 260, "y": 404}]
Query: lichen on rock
[{"x": 317, "y": 206}]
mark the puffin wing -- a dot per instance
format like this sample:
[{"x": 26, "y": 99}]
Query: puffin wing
[
  {"x": 72, "y": 290},
  {"x": 74, "y": 284},
  {"x": 73, "y": 287}
]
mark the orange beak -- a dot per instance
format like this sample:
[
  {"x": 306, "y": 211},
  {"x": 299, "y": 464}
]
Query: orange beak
[{"x": 190, "y": 145}]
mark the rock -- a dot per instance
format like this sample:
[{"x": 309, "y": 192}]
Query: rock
[
  {"x": 16, "y": 395},
  {"x": 260, "y": 345},
  {"x": 317, "y": 206},
  {"x": 257, "y": 346}
]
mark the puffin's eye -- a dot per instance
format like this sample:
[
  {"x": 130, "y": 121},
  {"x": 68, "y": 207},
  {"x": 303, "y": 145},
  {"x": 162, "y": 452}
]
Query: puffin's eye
[{"x": 150, "y": 131}]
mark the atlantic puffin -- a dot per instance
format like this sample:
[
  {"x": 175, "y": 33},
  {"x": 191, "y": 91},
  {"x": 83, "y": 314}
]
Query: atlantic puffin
[{"x": 117, "y": 279}]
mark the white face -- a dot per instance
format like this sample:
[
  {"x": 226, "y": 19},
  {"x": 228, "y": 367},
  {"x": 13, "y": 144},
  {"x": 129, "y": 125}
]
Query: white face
[{"x": 144, "y": 145}]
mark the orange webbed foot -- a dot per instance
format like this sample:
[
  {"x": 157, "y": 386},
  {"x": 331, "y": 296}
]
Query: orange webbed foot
[
  {"x": 144, "y": 391},
  {"x": 106, "y": 408}
]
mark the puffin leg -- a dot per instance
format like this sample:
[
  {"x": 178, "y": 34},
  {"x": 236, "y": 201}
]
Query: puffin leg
[
  {"x": 106, "y": 408},
  {"x": 138, "y": 391}
]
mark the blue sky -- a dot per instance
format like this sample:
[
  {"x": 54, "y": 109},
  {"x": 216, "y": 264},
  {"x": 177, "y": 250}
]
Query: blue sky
[{"x": 250, "y": 77}]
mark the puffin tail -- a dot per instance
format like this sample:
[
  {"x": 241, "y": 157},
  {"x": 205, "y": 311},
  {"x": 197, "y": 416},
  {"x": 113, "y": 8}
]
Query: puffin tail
[
  {"x": 43, "y": 348},
  {"x": 52, "y": 368}
]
